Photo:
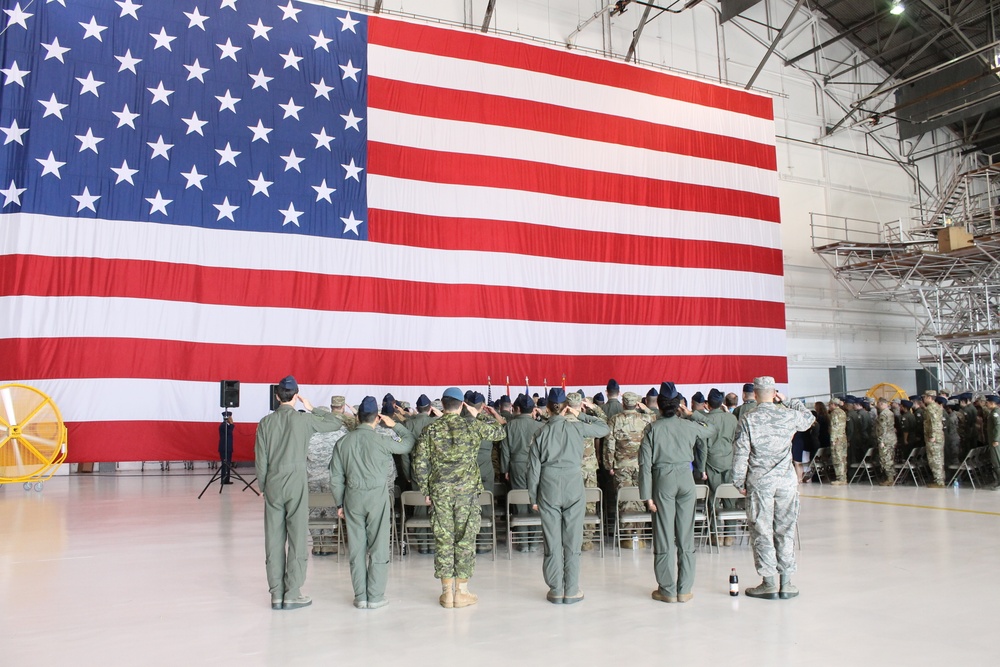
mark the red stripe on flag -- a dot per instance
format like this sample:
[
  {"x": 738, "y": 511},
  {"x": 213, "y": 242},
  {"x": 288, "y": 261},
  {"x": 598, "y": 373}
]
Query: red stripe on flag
[
  {"x": 484, "y": 171},
  {"x": 470, "y": 46},
  {"x": 64, "y": 358},
  {"x": 156, "y": 441},
  {"x": 459, "y": 105},
  {"x": 32, "y": 275},
  {"x": 574, "y": 244}
]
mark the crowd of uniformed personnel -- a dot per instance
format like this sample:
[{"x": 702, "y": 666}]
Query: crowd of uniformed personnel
[
  {"x": 558, "y": 444},
  {"x": 947, "y": 427}
]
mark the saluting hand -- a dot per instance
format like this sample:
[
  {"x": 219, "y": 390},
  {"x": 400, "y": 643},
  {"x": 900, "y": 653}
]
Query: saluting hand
[
  {"x": 472, "y": 411},
  {"x": 387, "y": 420}
]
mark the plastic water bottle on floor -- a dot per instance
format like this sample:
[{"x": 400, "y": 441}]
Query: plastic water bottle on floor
[
  {"x": 734, "y": 583},
  {"x": 955, "y": 483},
  {"x": 635, "y": 542}
]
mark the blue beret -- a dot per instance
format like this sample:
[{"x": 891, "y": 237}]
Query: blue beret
[
  {"x": 652, "y": 392},
  {"x": 698, "y": 397},
  {"x": 556, "y": 395},
  {"x": 423, "y": 401},
  {"x": 715, "y": 395},
  {"x": 612, "y": 385},
  {"x": 906, "y": 403},
  {"x": 368, "y": 405},
  {"x": 470, "y": 396},
  {"x": 289, "y": 383},
  {"x": 454, "y": 393},
  {"x": 598, "y": 397},
  {"x": 748, "y": 387},
  {"x": 668, "y": 390}
]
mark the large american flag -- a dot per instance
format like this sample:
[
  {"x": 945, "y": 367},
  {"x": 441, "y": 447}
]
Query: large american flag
[{"x": 201, "y": 190}]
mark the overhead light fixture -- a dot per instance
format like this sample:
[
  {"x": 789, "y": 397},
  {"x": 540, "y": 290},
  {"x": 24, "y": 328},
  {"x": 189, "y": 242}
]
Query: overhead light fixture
[{"x": 897, "y": 8}]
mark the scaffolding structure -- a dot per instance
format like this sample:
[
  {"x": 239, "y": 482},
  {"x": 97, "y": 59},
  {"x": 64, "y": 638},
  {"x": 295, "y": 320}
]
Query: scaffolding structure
[{"x": 950, "y": 284}]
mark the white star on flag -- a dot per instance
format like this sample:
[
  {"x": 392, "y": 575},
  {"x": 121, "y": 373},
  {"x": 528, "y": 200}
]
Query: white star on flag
[
  {"x": 196, "y": 19},
  {"x": 162, "y": 39},
  {"x": 55, "y": 50},
  {"x": 158, "y": 203},
  {"x": 53, "y": 107},
  {"x": 50, "y": 165},
  {"x": 89, "y": 85},
  {"x": 13, "y": 132},
  {"x": 348, "y": 23},
  {"x": 351, "y": 121},
  {"x": 291, "y": 215},
  {"x": 323, "y": 139},
  {"x": 292, "y": 161},
  {"x": 352, "y": 171},
  {"x": 129, "y": 8},
  {"x": 124, "y": 173},
  {"x": 228, "y": 3},
  {"x": 160, "y": 149},
  {"x": 321, "y": 41},
  {"x": 160, "y": 94},
  {"x": 351, "y": 224},
  {"x": 194, "y": 124},
  {"x": 260, "y": 185},
  {"x": 85, "y": 200},
  {"x": 14, "y": 74},
  {"x": 322, "y": 90},
  {"x": 12, "y": 194},
  {"x": 228, "y": 50},
  {"x": 260, "y": 79},
  {"x": 290, "y": 12},
  {"x": 18, "y": 16},
  {"x": 227, "y": 101},
  {"x": 92, "y": 29},
  {"x": 350, "y": 71},
  {"x": 291, "y": 109},
  {"x": 88, "y": 141},
  {"x": 260, "y": 132},
  {"x": 128, "y": 62},
  {"x": 323, "y": 192},
  {"x": 225, "y": 210},
  {"x": 260, "y": 30},
  {"x": 227, "y": 155},
  {"x": 291, "y": 60},
  {"x": 194, "y": 179},
  {"x": 126, "y": 117},
  {"x": 196, "y": 71}
]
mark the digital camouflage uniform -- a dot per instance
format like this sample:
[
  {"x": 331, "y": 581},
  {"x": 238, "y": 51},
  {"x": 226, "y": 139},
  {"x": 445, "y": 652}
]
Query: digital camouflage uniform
[
  {"x": 358, "y": 481},
  {"x": 838, "y": 442},
  {"x": 621, "y": 453},
  {"x": 280, "y": 448},
  {"x": 934, "y": 440},
  {"x": 556, "y": 486},
  {"x": 318, "y": 474},
  {"x": 762, "y": 464},
  {"x": 952, "y": 438},
  {"x": 445, "y": 469},
  {"x": 885, "y": 430}
]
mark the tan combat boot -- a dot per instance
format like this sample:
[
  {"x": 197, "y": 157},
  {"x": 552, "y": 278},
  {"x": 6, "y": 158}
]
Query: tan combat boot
[
  {"x": 463, "y": 598},
  {"x": 447, "y": 598}
]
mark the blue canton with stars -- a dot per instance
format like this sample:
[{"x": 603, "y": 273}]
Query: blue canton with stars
[{"x": 231, "y": 114}]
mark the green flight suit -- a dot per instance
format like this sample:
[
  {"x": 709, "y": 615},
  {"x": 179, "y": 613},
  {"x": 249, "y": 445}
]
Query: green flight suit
[
  {"x": 668, "y": 448},
  {"x": 521, "y": 429},
  {"x": 358, "y": 482},
  {"x": 280, "y": 450},
  {"x": 415, "y": 424},
  {"x": 719, "y": 451},
  {"x": 556, "y": 486}
]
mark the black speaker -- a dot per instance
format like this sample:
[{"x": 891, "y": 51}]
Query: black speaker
[
  {"x": 274, "y": 397},
  {"x": 229, "y": 394}
]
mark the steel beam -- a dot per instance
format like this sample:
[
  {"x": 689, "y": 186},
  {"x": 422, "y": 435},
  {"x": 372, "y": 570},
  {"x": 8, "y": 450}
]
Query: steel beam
[
  {"x": 489, "y": 15},
  {"x": 774, "y": 43}
]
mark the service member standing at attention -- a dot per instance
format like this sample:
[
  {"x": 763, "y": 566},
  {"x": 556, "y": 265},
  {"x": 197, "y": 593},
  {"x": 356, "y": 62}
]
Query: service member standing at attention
[
  {"x": 357, "y": 479},
  {"x": 934, "y": 438},
  {"x": 719, "y": 456},
  {"x": 838, "y": 441},
  {"x": 613, "y": 406},
  {"x": 763, "y": 471},
  {"x": 280, "y": 455},
  {"x": 992, "y": 427},
  {"x": 748, "y": 401},
  {"x": 555, "y": 488},
  {"x": 669, "y": 446},
  {"x": 621, "y": 454},
  {"x": 446, "y": 472},
  {"x": 886, "y": 435},
  {"x": 521, "y": 429}
]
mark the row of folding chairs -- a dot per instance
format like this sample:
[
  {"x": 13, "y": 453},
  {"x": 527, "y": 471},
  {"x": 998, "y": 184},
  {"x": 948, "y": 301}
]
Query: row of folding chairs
[{"x": 977, "y": 466}]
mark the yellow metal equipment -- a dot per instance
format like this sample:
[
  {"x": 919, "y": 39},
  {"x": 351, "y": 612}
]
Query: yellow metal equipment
[
  {"x": 32, "y": 436},
  {"x": 887, "y": 391}
]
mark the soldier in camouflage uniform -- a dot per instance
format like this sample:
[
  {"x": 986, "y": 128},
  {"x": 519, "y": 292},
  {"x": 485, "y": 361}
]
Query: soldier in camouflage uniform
[
  {"x": 556, "y": 490},
  {"x": 838, "y": 441},
  {"x": 357, "y": 479},
  {"x": 446, "y": 472},
  {"x": 719, "y": 455},
  {"x": 764, "y": 473},
  {"x": 992, "y": 427},
  {"x": 318, "y": 475},
  {"x": 952, "y": 439},
  {"x": 588, "y": 466},
  {"x": 886, "y": 436},
  {"x": 621, "y": 451},
  {"x": 934, "y": 437}
]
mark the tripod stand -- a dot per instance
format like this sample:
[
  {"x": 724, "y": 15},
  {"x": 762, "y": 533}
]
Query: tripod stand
[{"x": 218, "y": 476}]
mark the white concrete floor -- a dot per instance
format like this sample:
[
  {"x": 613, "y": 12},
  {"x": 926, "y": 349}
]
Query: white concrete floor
[{"x": 134, "y": 570}]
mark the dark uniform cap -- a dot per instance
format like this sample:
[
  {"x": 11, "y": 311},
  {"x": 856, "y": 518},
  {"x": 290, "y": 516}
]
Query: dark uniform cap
[
  {"x": 368, "y": 405},
  {"x": 698, "y": 397},
  {"x": 907, "y": 403},
  {"x": 748, "y": 387},
  {"x": 388, "y": 398},
  {"x": 453, "y": 392},
  {"x": 423, "y": 401},
  {"x": 993, "y": 398},
  {"x": 941, "y": 399},
  {"x": 631, "y": 398},
  {"x": 470, "y": 396},
  {"x": 525, "y": 403},
  {"x": 612, "y": 385},
  {"x": 668, "y": 390},
  {"x": 715, "y": 395},
  {"x": 598, "y": 397},
  {"x": 503, "y": 400},
  {"x": 542, "y": 402},
  {"x": 477, "y": 398},
  {"x": 556, "y": 395},
  {"x": 652, "y": 393},
  {"x": 289, "y": 383},
  {"x": 582, "y": 393},
  {"x": 914, "y": 398}
]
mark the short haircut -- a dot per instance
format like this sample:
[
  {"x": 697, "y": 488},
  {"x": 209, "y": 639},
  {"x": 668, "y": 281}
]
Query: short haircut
[
  {"x": 284, "y": 394},
  {"x": 668, "y": 406},
  {"x": 449, "y": 403},
  {"x": 732, "y": 400},
  {"x": 715, "y": 404},
  {"x": 422, "y": 409},
  {"x": 367, "y": 417}
]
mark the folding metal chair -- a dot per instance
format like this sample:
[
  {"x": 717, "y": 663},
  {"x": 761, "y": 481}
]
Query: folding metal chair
[
  {"x": 641, "y": 522},
  {"x": 967, "y": 466},
  {"x": 595, "y": 519},
  {"x": 530, "y": 524},
  {"x": 912, "y": 466},
  {"x": 416, "y": 529},
  {"x": 318, "y": 500},
  {"x": 702, "y": 515},
  {"x": 822, "y": 464},
  {"x": 487, "y": 520},
  {"x": 866, "y": 465},
  {"x": 729, "y": 522}
]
